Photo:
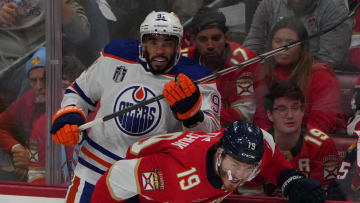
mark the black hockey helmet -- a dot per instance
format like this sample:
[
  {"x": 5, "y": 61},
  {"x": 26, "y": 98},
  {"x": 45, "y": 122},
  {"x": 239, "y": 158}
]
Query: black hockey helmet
[
  {"x": 244, "y": 142},
  {"x": 207, "y": 18}
]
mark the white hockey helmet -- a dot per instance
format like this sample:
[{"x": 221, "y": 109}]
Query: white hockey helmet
[{"x": 162, "y": 23}]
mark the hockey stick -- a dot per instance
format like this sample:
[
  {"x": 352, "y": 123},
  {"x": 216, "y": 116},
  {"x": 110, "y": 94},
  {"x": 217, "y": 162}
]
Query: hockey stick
[{"x": 213, "y": 76}]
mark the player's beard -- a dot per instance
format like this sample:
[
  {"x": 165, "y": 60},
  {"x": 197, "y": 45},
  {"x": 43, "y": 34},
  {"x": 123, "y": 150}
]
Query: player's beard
[{"x": 170, "y": 63}]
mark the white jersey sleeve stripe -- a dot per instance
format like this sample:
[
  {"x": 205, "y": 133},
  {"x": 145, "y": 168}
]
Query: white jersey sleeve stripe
[
  {"x": 269, "y": 141},
  {"x": 122, "y": 180}
]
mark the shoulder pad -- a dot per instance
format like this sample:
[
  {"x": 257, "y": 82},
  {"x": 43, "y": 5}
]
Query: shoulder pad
[{"x": 123, "y": 48}]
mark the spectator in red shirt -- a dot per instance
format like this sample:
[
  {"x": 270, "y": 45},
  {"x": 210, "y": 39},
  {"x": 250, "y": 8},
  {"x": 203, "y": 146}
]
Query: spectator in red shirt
[
  {"x": 316, "y": 80},
  {"x": 17, "y": 120},
  {"x": 213, "y": 49},
  {"x": 308, "y": 149}
]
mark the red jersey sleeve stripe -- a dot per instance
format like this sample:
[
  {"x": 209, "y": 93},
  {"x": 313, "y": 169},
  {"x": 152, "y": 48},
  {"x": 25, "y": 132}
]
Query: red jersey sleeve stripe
[{"x": 73, "y": 190}]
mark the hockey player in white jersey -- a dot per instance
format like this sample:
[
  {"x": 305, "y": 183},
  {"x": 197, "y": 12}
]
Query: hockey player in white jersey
[{"x": 127, "y": 73}]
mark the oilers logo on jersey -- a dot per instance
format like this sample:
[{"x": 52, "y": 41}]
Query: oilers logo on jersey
[{"x": 139, "y": 121}]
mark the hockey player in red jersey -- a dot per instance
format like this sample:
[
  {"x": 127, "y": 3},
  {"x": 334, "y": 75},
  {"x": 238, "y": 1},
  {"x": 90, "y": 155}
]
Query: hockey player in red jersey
[
  {"x": 202, "y": 167},
  {"x": 213, "y": 49},
  {"x": 308, "y": 149}
]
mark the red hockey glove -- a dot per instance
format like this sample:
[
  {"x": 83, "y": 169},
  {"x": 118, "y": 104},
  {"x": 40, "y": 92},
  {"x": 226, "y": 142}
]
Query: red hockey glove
[
  {"x": 184, "y": 99},
  {"x": 65, "y": 124}
]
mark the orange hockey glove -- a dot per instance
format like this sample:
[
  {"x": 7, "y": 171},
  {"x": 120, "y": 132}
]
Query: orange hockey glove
[
  {"x": 184, "y": 99},
  {"x": 65, "y": 122}
]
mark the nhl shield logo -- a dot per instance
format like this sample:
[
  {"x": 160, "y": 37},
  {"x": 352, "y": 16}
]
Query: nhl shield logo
[
  {"x": 140, "y": 121},
  {"x": 119, "y": 74}
]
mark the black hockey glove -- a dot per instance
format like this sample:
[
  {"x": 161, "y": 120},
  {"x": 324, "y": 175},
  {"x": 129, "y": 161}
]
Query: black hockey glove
[{"x": 299, "y": 189}]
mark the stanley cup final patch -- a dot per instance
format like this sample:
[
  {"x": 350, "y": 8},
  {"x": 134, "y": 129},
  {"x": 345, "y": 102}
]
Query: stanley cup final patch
[
  {"x": 119, "y": 74},
  {"x": 152, "y": 180},
  {"x": 245, "y": 84}
]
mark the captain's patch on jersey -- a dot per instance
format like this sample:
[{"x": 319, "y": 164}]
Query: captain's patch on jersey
[
  {"x": 141, "y": 120},
  {"x": 330, "y": 167},
  {"x": 152, "y": 180},
  {"x": 245, "y": 84}
]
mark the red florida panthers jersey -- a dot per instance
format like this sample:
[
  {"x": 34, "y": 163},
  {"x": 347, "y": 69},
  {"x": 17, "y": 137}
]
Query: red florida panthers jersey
[
  {"x": 316, "y": 156},
  {"x": 237, "y": 88},
  {"x": 177, "y": 167}
]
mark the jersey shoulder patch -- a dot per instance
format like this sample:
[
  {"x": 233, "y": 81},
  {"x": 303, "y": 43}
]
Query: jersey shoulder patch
[
  {"x": 123, "y": 48},
  {"x": 190, "y": 68}
]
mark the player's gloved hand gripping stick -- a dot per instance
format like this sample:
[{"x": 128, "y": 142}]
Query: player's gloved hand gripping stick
[
  {"x": 213, "y": 76},
  {"x": 184, "y": 98}
]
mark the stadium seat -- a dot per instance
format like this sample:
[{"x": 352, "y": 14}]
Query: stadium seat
[{"x": 342, "y": 143}]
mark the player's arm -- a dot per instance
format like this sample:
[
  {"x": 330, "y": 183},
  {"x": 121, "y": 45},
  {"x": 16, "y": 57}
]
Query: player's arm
[
  {"x": 118, "y": 184},
  {"x": 80, "y": 97},
  {"x": 292, "y": 183},
  {"x": 150, "y": 145},
  {"x": 196, "y": 106}
]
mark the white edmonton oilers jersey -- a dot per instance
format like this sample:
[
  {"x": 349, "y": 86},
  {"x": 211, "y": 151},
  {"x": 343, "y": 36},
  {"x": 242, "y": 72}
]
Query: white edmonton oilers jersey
[{"x": 119, "y": 79}]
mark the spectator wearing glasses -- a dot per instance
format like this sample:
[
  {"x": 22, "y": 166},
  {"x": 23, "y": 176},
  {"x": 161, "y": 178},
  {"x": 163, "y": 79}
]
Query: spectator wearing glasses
[
  {"x": 308, "y": 149},
  {"x": 316, "y": 80}
]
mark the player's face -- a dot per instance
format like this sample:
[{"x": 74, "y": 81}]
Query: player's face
[
  {"x": 287, "y": 115},
  {"x": 234, "y": 173},
  {"x": 37, "y": 83},
  {"x": 160, "y": 52},
  {"x": 291, "y": 56},
  {"x": 211, "y": 45}
]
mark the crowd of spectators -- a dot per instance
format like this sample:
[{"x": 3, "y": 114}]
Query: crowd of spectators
[{"x": 295, "y": 95}]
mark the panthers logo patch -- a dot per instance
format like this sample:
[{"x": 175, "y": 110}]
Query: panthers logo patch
[{"x": 139, "y": 121}]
